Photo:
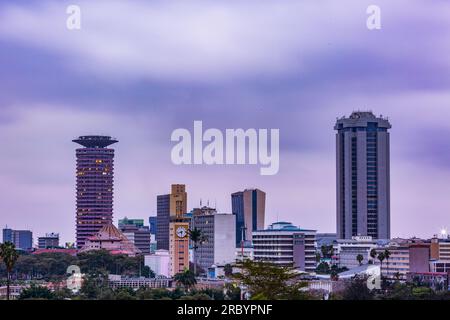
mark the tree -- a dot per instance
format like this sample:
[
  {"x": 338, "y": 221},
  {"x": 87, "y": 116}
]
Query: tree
[
  {"x": 360, "y": 258},
  {"x": 36, "y": 292},
  {"x": 94, "y": 284},
  {"x": 228, "y": 270},
  {"x": 327, "y": 251},
  {"x": 323, "y": 268},
  {"x": 373, "y": 254},
  {"x": 381, "y": 257},
  {"x": 198, "y": 238},
  {"x": 185, "y": 279},
  {"x": 9, "y": 256},
  {"x": 357, "y": 289},
  {"x": 267, "y": 281},
  {"x": 387, "y": 254}
]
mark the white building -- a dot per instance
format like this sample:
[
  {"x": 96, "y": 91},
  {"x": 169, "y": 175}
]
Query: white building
[
  {"x": 286, "y": 245},
  {"x": 219, "y": 230},
  {"x": 118, "y": 281},
  {"x": 348, "y": 249},
  {"x": 158, "y": 262}
]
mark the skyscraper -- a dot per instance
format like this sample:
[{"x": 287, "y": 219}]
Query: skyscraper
[
  {"x": 162, "y": 221},
  {"x": 249, "y": 207},
  {"x": 167, "y": 207},
  {"x": 95, "y": 179},
  {"x": 362, "y": 184}
]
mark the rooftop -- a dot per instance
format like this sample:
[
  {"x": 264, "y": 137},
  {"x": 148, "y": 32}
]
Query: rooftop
[{"x": 95, "y": 141}]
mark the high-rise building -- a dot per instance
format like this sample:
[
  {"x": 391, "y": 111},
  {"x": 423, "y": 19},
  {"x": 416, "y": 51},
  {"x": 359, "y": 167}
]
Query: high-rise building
[
  {"x": 363, "y": 187},
  {"x": 284, "y": 244},
  {"x": 219, "y": 230},
  {"x": 95, "y": 179},
  {"x": 50, "y": 240},
  {"x": 22, "y": 239},
  {"x": 169, "y": 206},
  {"x": 153, "y": 224},
  {"x": 137, "y": 233},
  {"x": 249, "y": 208},
  {"x": 162, "y": 221}
]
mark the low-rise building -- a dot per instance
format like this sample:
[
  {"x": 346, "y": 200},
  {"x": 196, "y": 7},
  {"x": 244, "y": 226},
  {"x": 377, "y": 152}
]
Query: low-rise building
[
  {"x": 286, "y": 245},
  {"x": 347, "y": 250},
  {"x": 158, "y": 262},
  {"x": 111, "y": 239},
  {"x": 50, "y": 240},
  {"x": 404, "y": 259},
  {"x": 118, "y": 281}
]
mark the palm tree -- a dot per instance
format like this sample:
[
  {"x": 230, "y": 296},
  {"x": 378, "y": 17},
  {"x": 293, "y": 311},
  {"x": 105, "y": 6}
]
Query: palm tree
[
  {"x": 381, "y": 257},
  {"x": 373, "y": 254},
  {"x": 185, "y": 279},
  {"x": 198, "y": 238},
  {"x": 360, "y": 258},
  {"x": 9, "y": 256},
  {"x": 387, "y": 254}
]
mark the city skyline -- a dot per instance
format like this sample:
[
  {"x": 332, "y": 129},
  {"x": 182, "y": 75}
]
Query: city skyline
[{"x": 56, "y": 85}]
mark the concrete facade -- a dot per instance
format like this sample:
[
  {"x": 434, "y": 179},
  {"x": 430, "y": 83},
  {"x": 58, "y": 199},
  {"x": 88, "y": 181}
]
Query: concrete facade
[
  {"x": 362, "y": 176},
  {"x": 219, "y": 248},
  {"x": 286, "y": 245}
]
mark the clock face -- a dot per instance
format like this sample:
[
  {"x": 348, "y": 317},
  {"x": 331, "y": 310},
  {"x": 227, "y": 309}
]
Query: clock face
[{"x": 181, "y": 232}]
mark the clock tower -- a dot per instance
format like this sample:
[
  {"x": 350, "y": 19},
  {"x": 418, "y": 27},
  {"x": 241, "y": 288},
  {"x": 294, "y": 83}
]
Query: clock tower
[
  {"x": 178, "y": 231},
  {"x": 178, "y": 246}
]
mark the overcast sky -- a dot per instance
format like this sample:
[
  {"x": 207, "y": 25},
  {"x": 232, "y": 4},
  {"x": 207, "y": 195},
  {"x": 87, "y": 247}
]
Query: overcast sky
[{"x": 139, "y": 70}]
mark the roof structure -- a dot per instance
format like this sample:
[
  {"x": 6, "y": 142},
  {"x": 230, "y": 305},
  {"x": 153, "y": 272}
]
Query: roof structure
[{"x": 112, "y": 239}]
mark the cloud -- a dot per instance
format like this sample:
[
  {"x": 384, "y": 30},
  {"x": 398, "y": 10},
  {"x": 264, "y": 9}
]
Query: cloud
[{"x": 208, "y": 42}]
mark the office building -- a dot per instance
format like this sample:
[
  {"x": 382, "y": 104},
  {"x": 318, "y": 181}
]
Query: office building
[
  {"x": 249, "y": 208},
  {"x": 286, "y": 245},
  {"x": 117, "y": 281},
  {"x": 50, "y": 240},
  {"x": 137, "y": 233},
  {"x": 152, "y": 222},
  {"x": 173, "y": 228},
  {"x": 162, "y": 221},
  {"x": 169, "y": 206},
  {"x": 94, "y": 185},
  {"x": 347, "y": 250},
  {"x": 22, "y": 239},
  {"x": 131, "y": 222},
  {"x": 219, "y": 231},
  {"x": 404, "y": 259},
  {"x": 363, "y": 176}
]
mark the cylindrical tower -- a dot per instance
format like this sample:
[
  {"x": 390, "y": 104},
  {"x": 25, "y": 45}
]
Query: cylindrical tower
[{"x": 94, "y": 185}]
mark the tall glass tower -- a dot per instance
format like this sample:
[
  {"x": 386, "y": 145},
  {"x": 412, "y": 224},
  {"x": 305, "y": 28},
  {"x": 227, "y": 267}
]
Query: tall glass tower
[
  {"x": 249, "y": 207},
  {"x": 362, "y": 167},
  {"x": 95, "y": 180}
]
